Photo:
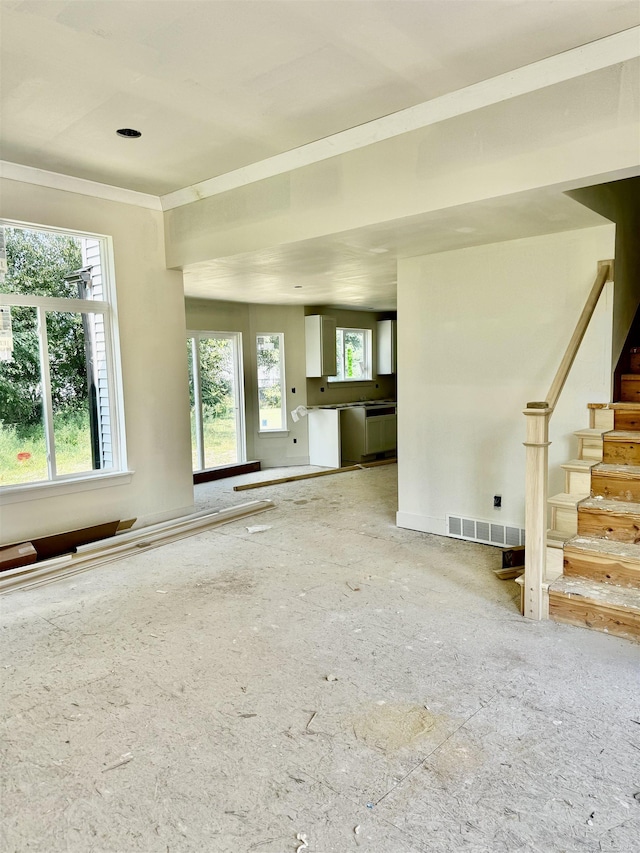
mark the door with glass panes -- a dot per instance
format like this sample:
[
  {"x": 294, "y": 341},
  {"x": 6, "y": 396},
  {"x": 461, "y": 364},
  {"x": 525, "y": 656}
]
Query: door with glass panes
[{"x": 216, "y": 399}]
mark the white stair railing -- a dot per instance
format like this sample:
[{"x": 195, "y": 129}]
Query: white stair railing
[{"x": 538, "y": 416}]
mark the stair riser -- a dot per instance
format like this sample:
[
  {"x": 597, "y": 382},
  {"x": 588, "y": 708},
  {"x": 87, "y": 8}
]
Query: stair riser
[
  {"x": 602, "y": 418},
  {"x": 615, "y": 488},
  {"x": 564, "y": 521},
  {"x": 634, "y": 362},
  {"x": 590, "y": 449},
  {"x": 577, "y": 482},
  {"x": 590, "y": 614},
  {"x": 621, "y": 452},
  {"x": 630, "y": 390},
  {"x": 626, "y": 420},
  {"x": 601, "y": 569},
  {"x": 607, "y": 525}
]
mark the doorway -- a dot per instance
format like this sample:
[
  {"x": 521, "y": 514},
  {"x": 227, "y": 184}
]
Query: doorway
[{"x": 216, "y": 399}]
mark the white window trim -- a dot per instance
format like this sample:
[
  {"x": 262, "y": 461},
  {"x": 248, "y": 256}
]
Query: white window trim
[
  {"x": 67, "y": 483},
  {"x": 282, "y": 430}
]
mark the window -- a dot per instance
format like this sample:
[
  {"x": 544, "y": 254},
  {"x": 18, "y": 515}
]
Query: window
[
  {"x": 57, "y": 412},
  {"x": 271, "y": 395},
  {"x": 353, "y": 355}
]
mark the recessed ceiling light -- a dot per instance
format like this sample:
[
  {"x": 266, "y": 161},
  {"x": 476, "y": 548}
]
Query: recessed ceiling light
[
  {"x": 129, "y": 133},
  {"x": 379, "y": 250}
]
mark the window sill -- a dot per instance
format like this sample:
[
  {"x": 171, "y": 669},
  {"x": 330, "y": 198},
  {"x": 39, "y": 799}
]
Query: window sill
[
  {"x": 59, "y": 488},
  {"x": 272, "y": 433}
]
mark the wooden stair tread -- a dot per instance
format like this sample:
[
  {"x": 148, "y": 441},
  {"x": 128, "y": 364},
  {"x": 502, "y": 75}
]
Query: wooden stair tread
[
  {"x": 603, "y": 547},
  {"x": 608, "y": 469},
  {"x": 579, "y": 464},
  {"x": 614, "y": 507},
  {"x": 621, "y": 598},
  {"x": 567, "y": 501},
  {"x": 630, "y": 376},
  {"x": 622, "y": 435},
  {"x": 629, "y": 407},
  {"x": 590, "y": 432}
]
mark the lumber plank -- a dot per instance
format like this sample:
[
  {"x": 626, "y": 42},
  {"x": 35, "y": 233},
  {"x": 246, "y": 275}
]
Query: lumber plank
[
  {"x": 244, "y": 486},
  {"x": 124, "y": 545}
]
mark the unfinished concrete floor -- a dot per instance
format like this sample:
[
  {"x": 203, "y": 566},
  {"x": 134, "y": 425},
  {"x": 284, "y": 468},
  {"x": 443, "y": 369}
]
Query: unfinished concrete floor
[{"x": 332, "y": 679}]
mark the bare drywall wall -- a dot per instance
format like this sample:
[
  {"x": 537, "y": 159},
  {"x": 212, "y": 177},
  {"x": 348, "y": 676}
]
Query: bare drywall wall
[
  {"x": 150, "y": 319},
  {"x": 619, "y": 201},
  {"x": 323, "y": 393},
  {"x": 481, "y": 331},
  {"x": 561, "y": 134},
  {"x": 289, "y": 447}
]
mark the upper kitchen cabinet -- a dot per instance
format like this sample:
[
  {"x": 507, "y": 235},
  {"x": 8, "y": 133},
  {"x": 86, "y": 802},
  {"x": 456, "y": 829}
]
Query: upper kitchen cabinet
[
  {"x": 386, "y": 346},
  {"x": 320, "y": 341}
]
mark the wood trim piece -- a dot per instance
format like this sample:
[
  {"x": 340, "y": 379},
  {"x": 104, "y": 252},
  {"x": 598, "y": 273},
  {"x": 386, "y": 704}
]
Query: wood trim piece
[
  {"x": 125, "y": 545},
  {"x": 314, "y": 474}
]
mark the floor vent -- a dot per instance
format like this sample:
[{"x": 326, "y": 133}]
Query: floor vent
[{"x": 487, "y": 532}]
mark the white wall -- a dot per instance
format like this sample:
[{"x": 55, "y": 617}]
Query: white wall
[
  {"x": 481, "y": 332},
  {"x": 150, "y": 312},
  {"x": 271, "y": 449}
]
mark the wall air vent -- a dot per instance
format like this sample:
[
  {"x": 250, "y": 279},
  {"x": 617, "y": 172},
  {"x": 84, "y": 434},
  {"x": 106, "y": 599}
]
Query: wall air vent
[{"x": 486, "y": 532}]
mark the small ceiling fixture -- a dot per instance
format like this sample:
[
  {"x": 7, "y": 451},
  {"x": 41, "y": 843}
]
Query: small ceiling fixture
[{"x": 129, "y": 133}]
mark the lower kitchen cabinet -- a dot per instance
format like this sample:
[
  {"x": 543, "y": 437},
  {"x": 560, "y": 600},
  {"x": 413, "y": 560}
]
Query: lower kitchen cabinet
[{"x": 367, "y": 430}]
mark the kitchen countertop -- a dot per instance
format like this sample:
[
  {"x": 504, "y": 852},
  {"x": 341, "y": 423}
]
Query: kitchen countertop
[{"x": 364, "y": 403}]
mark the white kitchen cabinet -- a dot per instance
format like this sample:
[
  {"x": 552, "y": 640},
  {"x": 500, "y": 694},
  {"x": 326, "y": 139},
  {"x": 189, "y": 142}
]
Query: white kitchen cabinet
[
  {"x": 386, "y": 347},
  {"x": 324, "y": 438},
  {"x": 320, "y": 344}
]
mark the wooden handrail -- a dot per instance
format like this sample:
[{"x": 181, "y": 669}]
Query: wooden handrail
[
  {"x": 604, "y": 275},
  {"x": 537, "y": 463}
]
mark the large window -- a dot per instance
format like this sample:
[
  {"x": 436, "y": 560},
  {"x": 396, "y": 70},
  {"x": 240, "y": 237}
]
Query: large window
[
  {"x": 353, "y": 355},
  {"x": 271, "y": 387},
  {"x": 57, "y": 412}
]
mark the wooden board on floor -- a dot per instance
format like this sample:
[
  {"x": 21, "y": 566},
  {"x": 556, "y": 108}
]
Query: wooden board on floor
[
  {"x": 225, "y": 471},
  {"x": 314, "y": 474},
  {"x": 67, "y": 542}
]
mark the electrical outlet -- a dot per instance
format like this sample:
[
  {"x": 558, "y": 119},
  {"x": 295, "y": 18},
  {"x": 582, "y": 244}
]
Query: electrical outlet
[{"x": 497, "y": 501}]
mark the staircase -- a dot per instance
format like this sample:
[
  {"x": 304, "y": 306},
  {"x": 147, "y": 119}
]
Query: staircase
[{"x": 599, "y": 586}]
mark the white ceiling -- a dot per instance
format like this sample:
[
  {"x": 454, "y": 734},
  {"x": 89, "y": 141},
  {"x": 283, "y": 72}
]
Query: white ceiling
[
  {"x": 358, "y": 269},
  {"x": 218, "y": 84}
]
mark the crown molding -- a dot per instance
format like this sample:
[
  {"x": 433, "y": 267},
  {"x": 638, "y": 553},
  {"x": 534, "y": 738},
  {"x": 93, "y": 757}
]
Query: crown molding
[
  {"x": 68, "y": 183},
  {"x": 595, "y": 56}
]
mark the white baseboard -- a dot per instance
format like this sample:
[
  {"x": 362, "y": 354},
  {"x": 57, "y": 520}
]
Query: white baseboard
[
  {"x": 284, "y": 463},
  {"x": 422, "y": 523}
]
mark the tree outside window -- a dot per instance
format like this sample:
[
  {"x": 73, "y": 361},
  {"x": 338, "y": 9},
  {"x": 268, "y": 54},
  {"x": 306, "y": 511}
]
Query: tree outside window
[
  {"x": 56, "y": 412},
  {"x": 353, "y": 355},
  {"x": 271, "y": 396}
]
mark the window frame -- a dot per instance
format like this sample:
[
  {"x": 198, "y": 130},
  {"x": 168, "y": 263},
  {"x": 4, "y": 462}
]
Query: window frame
[
  {"x": 118, "y": 472},
  {"x": 283, "y": 386},
  {"x": 368, "y": 356}
]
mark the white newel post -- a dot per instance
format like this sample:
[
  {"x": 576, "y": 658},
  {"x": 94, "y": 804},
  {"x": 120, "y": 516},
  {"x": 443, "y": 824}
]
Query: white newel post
[{"x": 537, "y": 445}]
